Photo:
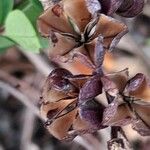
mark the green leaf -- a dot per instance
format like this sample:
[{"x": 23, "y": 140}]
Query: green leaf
[
  {"x": 32, "y": 9},
  {"x": 44, "y": 42},
  {"x": 19, "y": 29},
  {"x": 5, "y": 7},
  {"x": 22, "y": 4},
  {"x": 5, "y": 43},
  {"x": 37, "y": 4},
  {"x": 32, "y": 13}
]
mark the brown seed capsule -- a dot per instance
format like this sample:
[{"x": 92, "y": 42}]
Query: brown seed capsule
[
  {"x": 76, "y": 34},
  {"x": 125, "y": 8},
  {"x": 60, "y": 107},
  {"x": 131, "y": 8},
  {"x": 131, "y": 108}
]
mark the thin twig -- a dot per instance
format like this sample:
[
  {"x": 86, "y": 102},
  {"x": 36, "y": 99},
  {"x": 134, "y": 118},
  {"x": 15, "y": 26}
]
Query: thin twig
[
  {"x": 27, "y": 130},
  {"x": 40, "y": 64},
  {"x": 18, "y": 95},
  {"x": 23, "y": 86}
]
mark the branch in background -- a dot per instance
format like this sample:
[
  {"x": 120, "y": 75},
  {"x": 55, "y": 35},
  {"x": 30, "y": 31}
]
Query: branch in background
[
  {"x": 27, "y": 130},
  {"x": 21, "y": 97},
  {"x": 40, "y": 64},
  {"x": 21, "y": 85}
]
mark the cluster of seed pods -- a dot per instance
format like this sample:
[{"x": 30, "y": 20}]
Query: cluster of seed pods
[{"x": 86, "y": 29}]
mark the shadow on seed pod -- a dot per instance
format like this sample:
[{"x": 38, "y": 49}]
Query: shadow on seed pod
[
  {"x": 92, "y": 112},
  {"x": 125, "y": 8},
  {"x": 131, "y": 8}
]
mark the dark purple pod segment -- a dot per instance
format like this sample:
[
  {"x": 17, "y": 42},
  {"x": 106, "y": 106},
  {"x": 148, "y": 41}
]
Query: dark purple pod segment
[
  {"x": 105, "y": 5},
  {"x": 92, "y": 112},
  {"x": 90, "y": 89},
  {"x": 110, "y": 111},
  {"x": 134, "y": 83},
  {"x": 126, "y": 4},
  {"x": 79, "y": 80},
  {"x": 109, "y": 7},
  {"x": 60, "y": 72},
  {"x": 52, "y": 113},
  {"x": 125, "y": 8},
  {"x": 58, "y": 80},
  {"x": 99, "y": 54},
  {"x": 131, "y": 8}
]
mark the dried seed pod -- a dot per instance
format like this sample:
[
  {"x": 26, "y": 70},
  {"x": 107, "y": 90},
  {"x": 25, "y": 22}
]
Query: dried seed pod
[
  {"x": 120, "y": 79},
  {"x": 79, "y": 80},
  {"x": 111, "y": 30},
  {"x": 80, "y": 124},
  {"x": 109, "y": 7},
  {"x": 143, "y": 111},
  {"x": 74, "y": 9},
  {"x": 60, "y": 103},
  {"x": 132, "y": 110},
  {"x": 59, "y": 126},
  {"x": 138, "y": 87},
  {"x": 141, "y": 118},
  {"x": 117, "y": 115},
  {"x": 57, "y": 87},
  {"x": 75, "y": 35},
  {"x": 131, "y": 8},
  {"x": 61, "y": 47},
  {"x": 135, "y": 82},
  {"x": 125, "y": 8},
  {"x": 54, "y": 19},
  {"x": 109, "y": 86},
  {"x": 90, "y": 89},
  {"x": 92, "y": 112},
  {"x": 141, "y": 121}
]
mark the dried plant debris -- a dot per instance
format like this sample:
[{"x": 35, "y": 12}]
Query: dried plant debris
[
  {"x": 74, "y": 34},
  {"x": 72, "y": 98},
  {"x": 66, "y": 104},
  {"x": 118, "y": 140},
  {"x": 134, "y": 109},
  {"x": 125, "y": 8},
  {"x": 85, "y": 29}
]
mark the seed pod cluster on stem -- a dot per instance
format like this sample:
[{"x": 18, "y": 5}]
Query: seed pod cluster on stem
[{"x": 85, "y": 29}]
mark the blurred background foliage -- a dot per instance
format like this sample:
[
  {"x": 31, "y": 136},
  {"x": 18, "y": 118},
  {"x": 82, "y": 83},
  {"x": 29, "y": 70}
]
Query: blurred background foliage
[{"x": 18, "y": 25}]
